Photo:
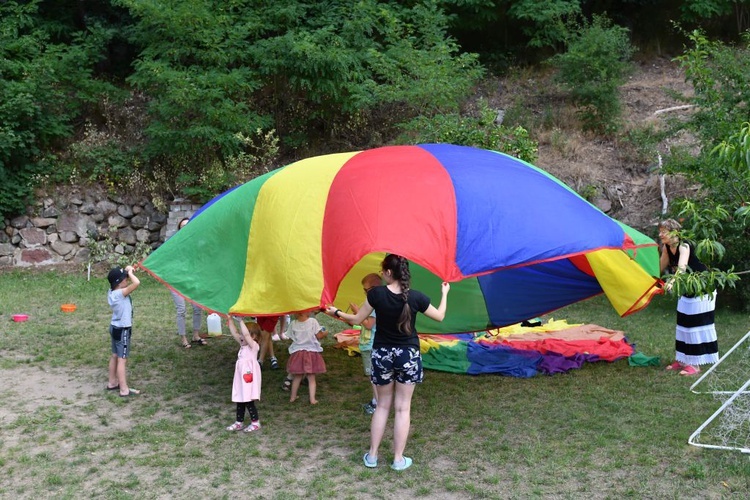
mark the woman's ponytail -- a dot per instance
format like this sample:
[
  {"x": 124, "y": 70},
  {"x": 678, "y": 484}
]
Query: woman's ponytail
[{"x": 399, "y": 268}]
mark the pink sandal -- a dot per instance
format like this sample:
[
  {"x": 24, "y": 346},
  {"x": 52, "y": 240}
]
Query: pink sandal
[
  {"x": 689, "y": 370},
  {"x": 675, "y": 366}
]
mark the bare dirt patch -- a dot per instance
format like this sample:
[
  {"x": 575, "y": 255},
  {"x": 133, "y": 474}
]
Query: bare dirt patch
[{"x": 75, "y": 393}]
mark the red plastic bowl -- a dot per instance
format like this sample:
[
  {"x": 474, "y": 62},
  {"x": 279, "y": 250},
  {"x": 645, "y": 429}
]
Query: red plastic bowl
[{"x": 19, "y": 318}]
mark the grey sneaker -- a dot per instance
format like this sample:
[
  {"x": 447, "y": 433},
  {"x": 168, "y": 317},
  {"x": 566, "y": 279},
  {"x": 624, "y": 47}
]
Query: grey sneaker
[
  {"x": 369, "y": 408},
  {"x": 369, "y": 461}
]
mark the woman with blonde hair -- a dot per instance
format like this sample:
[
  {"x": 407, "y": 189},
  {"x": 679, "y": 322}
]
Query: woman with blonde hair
[{"x": 695, "y": 336}]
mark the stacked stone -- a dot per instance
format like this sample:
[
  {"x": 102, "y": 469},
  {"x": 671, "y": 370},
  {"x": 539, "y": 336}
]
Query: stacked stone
[
  {"x": 59, "y": 230},
  {"x": 178, "y": 210}
]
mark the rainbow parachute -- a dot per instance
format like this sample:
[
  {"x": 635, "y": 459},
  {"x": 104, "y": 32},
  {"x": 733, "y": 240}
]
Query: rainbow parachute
[
  {"x": 521, "y": 350},
  {"x": 515, "y": 242}
]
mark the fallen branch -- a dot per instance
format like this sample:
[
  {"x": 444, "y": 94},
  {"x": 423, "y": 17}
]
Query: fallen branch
[
  {"x": 673, "y": 108},
  {"x": 664, "y": 200}
]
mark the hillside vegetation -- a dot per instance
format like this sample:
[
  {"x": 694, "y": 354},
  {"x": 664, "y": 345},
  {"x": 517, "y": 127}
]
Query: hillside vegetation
[{"x": 187, "y": 99}]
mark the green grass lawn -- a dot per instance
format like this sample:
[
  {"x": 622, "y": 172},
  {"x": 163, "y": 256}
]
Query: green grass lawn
[{"x": 608, "y": 430}]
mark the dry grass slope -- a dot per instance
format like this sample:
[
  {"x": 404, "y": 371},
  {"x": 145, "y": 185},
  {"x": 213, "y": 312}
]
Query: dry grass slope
[{"x": 610, "y": 171}]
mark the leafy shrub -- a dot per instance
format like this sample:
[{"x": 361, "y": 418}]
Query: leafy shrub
[
  {"x": 100, "y": 157},
  {"x": 302, "y": 68},
  {"x": 260, "y": 153},
  {"x": 644, "y": 141},
  {"x": 103, "y": 247},
  {"x": 480, "y": 131},
  {"x": 258, "y": 157},
  {"x": 709, "y": 227},
  {"x": 588, "y": 192},
  {"x": 720, "y": 76},
  {"x": 549, "y": 22},
  {"x": 45, "y": 86},
  {"x": 593, "y": 67}
]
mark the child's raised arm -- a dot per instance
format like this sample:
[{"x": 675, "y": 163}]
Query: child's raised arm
[
  {"x": 134, "y": 281},
  {"x": 233, "y": 328}
]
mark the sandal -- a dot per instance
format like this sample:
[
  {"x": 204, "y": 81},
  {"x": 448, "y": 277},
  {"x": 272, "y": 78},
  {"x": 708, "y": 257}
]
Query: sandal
[
  {"x": 287, "y": 385},
  {"x": 675, "y": 366},
  {"x": 199, "y": 341},
  {"x": 254, "y": 426},
  {"x": 186, "y": 345},
  {"x": 237, "y": 426},
  {"x": 689, "y": 371}
]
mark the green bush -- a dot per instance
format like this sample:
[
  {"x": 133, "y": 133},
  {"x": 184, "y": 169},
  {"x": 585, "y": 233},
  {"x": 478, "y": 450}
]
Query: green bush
[
  {"x": 593, "y": 67},
  {"x": 45, "y": 86},
  {"x": 720, "y": 76},
  {"x": 480, "y": 131},
  {"x": 549, "y": 21},
  {"x": 702, "y": 226},
  {"x": 644, "y": 141},
  {"x": 259, "y": 157},
  {"x": 103, "y": 247},
  {"x": 311, "y": 71}
]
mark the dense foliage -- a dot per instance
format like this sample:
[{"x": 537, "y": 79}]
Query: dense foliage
[
  {"x": 46, "y": 85},
  {"x": 193, "y": 96},
  {"x": 190, "y": 97},
  {"x": 314, "y": 72},
  {"x": 593, "y": 67},
  {"x": 481, "y": 131},
  {"x": 718, "y": 218},
  {"x": 499, "y": 30}
]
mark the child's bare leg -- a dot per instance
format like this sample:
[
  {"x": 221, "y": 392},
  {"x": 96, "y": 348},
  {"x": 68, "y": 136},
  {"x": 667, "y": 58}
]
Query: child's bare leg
[
  {"x": 124, "y": 388},
  {"x": 113, "y": 381},
  {"x": 312, "y": 386},
  {"x": 197, "y": 317},
  {"x": 296, "y": 381}
]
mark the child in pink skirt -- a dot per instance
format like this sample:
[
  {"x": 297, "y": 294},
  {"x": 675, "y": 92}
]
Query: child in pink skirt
[
  {"x": 305, "y": 358},
  {"x": 246, "y": 383}
]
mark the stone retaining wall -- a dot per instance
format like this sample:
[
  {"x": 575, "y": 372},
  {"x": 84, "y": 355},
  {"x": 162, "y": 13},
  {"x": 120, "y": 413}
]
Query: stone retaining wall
[{"x": 61, "y": 227}]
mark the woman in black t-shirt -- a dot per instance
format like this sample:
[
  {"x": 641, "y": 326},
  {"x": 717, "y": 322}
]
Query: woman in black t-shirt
[{"x": 396, "y": 360}]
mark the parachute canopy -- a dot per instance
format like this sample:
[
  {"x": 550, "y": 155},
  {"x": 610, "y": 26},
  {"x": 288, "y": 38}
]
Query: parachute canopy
[{"x": 514, "y": 241}]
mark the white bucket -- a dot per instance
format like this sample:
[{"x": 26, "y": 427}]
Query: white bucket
[{"x": 214, "y": 325}]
